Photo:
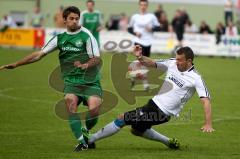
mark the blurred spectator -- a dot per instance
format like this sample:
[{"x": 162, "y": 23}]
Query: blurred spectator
[
  {"x": 178, "y": 26},
  {"x": 92, "y": 20},
  {"x": 7, "y": 21},
  {"x": 228, "y": 11},
  {"x": 142, "y": 25},
  {"x": 159, "y": 11},
  {"x": 220, "y": 30},
  {"x": 231, "y": 29},
  {"x": 191, "y": 28},
  {"x": 204, "y": 28},
  {"x": 164, "y": 25},
  {"x": 113, "y": 22},
  {"x": 37, "y": 18},
  {"x": 58, "y": 18},
  {"x": 123, "y": 22}
]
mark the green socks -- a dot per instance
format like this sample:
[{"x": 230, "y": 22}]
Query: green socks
[
  {"x": 91, "y": 121},
  {"x": 76, "y": 127}
]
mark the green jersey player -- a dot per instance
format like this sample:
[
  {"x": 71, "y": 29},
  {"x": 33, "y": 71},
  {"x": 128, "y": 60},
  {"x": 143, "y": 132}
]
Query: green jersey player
[
  {"x": 79, "y": 60},
  {"x": 92, "y": 20}
]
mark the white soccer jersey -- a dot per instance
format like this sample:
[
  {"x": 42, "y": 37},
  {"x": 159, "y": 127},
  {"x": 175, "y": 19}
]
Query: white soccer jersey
[
  {"x": 91, "y": 45},
  {"x": 178, "y": 87},
  {"x": 139, "y": 23}
]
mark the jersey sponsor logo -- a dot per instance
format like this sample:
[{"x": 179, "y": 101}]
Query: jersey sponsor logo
[
  {"x": 71, "y": 49},
  {"x": 176, "y": 80}
]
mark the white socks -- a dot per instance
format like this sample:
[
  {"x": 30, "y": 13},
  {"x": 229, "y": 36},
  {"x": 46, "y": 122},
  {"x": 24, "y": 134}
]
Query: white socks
[
  {"x": 154, "y": 135},
  {"x": 109, "y": 130}
]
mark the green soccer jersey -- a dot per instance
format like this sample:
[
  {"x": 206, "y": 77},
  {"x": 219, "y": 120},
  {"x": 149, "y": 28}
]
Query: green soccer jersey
[
  {"x": 91, "y": 21},
  {"x": 77, "y": 46}
]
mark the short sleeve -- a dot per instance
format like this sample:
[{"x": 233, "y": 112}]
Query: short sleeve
[
  {"x": 155, "y": 21},
  {"x": 100, "y": 18},
  {"x": 92, "y": 47},
  {"x": 50, "y": 46},
  {"x": 201, "y": 88},
  {"x": 163, "y": 64}
]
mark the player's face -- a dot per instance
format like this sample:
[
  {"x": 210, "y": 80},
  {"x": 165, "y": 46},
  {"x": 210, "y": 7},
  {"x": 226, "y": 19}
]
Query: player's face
[
  {"x": 183, "y": 63},
  {"x": 72, "y": 22},
  {"x": 143, "y": 6},
  {"x": 90, "y": 6}
]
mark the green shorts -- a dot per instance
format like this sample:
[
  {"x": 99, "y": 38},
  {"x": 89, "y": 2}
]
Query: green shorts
[{"x": 83, "y": 91}]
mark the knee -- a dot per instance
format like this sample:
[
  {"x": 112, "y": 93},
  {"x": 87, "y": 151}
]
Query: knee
[
  {"x": 135, "y": 132},
  {"x": 94, "y": 104},
  {"x": 121, "y": 117},
  {"x": 71, "y": 104}
]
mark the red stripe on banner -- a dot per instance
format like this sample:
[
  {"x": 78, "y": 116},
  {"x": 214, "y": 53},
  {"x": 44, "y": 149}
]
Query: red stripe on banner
[{"x": 39, "y": 36}]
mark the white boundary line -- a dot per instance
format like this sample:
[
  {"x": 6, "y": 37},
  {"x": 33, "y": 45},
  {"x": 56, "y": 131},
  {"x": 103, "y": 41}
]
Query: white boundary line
[{"x": 2, "y": 91}]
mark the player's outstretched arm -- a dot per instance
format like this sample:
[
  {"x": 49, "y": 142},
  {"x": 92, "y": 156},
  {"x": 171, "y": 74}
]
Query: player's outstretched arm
[
  {"x": 146, "y": 61},
  {"x": 35, "y": 56},
  {"x": 207, "y": 127}
]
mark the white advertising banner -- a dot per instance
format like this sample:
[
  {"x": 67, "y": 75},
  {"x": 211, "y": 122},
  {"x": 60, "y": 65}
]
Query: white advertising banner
[
  {"x": 202, "y": 44},
  {"x": 229, "y": 46}
]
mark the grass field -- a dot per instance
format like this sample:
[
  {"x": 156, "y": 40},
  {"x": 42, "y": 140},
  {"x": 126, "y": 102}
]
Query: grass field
[{"x": 29, "y": 127}]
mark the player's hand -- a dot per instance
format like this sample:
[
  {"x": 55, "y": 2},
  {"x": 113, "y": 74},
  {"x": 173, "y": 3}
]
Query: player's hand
[
  {"x": 137, "y": 51},
  {"x": 79, "y": 65},
  {"x": 207, "y": 128},
  {"x": 9, "y": 66}
]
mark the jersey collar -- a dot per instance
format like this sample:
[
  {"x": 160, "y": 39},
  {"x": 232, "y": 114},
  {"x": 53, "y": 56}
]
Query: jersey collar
[
  {"x": 73, "y": 33},
  {"x": 192, "y": 68}
]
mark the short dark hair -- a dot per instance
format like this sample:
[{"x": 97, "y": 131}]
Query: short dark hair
[
  {"x": 143, "y": 1},
  {"x": 70, "y": 9},
  {"x": 187, "y": 51},
  {"x": 91, "y": 1}
]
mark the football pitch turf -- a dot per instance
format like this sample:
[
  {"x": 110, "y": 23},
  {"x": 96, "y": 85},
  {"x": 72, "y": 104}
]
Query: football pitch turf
[{"x": 29, "y": 127}]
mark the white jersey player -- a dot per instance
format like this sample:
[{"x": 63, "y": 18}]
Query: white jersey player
[
  {"x": 142, "y": 25},
  {"x": 183, "y": 81}
]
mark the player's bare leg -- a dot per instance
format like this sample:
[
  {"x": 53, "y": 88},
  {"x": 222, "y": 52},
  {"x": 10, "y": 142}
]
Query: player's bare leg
[{"x": 94, "y": 103}]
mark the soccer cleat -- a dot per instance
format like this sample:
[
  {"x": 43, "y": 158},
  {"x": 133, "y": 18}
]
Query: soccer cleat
[
  {"x": 92, "y": 145},
  {"x": 173, "y": 144},
  {"x": 81, "y": 147},
  {"x": 86, "y": 137}
]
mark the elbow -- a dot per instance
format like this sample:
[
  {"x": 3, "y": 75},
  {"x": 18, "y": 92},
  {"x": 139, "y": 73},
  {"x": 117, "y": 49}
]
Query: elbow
[
  {"x": 98, "y": 61},
  {"x": 37, "y": 57}
]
